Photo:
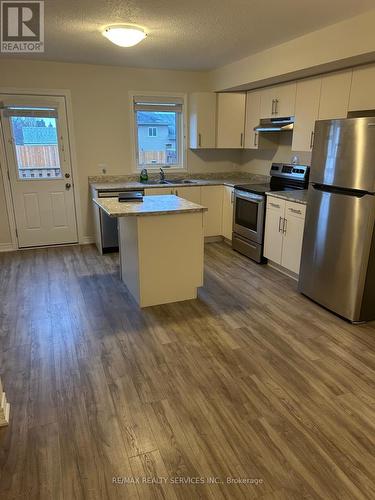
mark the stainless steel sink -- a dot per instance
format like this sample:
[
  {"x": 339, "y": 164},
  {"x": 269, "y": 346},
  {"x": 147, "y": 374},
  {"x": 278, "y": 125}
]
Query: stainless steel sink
[{"x": 168, "y": 181}]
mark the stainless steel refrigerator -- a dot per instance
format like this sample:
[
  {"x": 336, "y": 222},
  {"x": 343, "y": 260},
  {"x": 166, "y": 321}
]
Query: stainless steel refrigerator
[{"x": 338, "y": 254}]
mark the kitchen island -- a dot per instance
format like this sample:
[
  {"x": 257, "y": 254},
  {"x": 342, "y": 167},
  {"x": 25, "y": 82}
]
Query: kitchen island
[{"x": 161, "y": 247}]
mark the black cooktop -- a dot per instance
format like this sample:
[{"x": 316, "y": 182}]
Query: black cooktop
[{"x": 265, "y": 188}]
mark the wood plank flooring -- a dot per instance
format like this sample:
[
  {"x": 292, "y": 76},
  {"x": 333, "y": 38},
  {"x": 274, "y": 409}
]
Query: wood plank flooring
[{"x": 250, "y": 381}]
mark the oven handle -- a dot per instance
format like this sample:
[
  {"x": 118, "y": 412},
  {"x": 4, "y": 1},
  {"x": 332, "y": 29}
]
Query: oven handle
[{"x": 243, "y": 195}]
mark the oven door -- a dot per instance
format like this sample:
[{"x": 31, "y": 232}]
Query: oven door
[{"x": 249, "y": 215}]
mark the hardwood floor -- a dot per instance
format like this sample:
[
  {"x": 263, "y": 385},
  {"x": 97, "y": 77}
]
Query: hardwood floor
[{"x": 250, "y": 381}]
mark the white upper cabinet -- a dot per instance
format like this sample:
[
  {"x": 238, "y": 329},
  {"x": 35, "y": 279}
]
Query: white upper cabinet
[
  {"x": 202, "y": 107},
  {"x": 306, "y": 113},
  {"x": 278, "y": 101},
  {"x": 230, "y": 120},
  {"x": 362, "y": 94},
  {"x": 252, "y": 119},
  {"x": 334, "y": 95}
]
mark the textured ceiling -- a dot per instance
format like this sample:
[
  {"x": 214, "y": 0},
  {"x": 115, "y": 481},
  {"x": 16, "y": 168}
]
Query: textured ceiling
[{"x": 191, "y": 35}]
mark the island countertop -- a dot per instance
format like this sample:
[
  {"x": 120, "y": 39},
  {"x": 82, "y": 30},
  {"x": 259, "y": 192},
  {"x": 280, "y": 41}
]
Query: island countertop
[{"x": 151, "y": 205}]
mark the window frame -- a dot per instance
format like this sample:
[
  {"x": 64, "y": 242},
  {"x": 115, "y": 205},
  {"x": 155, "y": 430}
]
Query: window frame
[{"x": 181, "y": 133}]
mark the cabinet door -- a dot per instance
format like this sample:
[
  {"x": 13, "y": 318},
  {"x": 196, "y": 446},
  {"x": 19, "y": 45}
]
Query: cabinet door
[
  {"x": 285, "y": 99},
  {"x": 293, "y": 236},
  {"x": 334, "y": 95},
  {"x": 306, "y": 112},
  {"x": 362, "y": 95},
  {"x": 230, "y": 120},
  {"x": 156, "y": 191},
  {"x": 202, "y": 107},
  {"x": 273, "y": 236},
  {"x": 212, "y": 198},
  {"x": 228, "y": 199},
  {"x": 278, "y": 101},
  {"x": 192, "y": 193},
  {"x": 252, "y": 119}
]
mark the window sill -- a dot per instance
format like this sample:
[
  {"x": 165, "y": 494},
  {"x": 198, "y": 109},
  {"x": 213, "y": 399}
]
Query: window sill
[{"x": 157, "y": 169}]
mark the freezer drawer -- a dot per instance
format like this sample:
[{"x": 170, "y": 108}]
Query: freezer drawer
[{"x": 338, "y": 254}]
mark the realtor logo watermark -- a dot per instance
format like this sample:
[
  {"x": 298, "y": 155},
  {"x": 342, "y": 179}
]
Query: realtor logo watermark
[{"x": 22, "y": 26}]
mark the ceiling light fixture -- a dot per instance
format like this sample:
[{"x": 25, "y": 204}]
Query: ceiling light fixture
[{"x": 124, "y": 35}]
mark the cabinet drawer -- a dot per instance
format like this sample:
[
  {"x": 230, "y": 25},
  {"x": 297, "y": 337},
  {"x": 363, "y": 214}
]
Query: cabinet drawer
[
  {"x": 275, "y": 203},
  {"x": 296, "y": 209}
]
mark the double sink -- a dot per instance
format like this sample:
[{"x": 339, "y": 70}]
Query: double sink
[{"x": 165, "y": 181}]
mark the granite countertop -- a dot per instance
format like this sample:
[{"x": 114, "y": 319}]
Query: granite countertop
[
  {"x": 298, "y": 196},
  {"x": 151, "y": 205},
  {"x": 209, "y": 181}
]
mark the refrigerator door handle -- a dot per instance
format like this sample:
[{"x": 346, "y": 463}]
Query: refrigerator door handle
[{"x": 337, "y": 190}]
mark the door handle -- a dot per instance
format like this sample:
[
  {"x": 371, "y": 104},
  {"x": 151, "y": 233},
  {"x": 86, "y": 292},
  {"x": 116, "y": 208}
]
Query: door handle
[
  {"x": 199, "y": 140},
  {"x": 241, "y": 140},
  {"x": 68, "y": 186}
]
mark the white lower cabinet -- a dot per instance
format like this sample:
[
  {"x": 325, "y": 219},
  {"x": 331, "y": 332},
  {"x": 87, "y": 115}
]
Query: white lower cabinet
[
  {"x": 212, "y": 198},
  {"x": 228, "y": 205},
  {"x": 283, "y": 237},
  {"x": 156, "y": 191},
  {"x": 192, "y": 193}
]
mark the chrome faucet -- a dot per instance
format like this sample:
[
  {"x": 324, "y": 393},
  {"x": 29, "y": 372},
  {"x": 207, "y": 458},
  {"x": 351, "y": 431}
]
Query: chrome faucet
[{"x": 162, "y": 174}]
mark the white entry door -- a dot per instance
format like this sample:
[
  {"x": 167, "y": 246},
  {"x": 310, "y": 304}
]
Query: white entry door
[{"x": 39, "y": 169}]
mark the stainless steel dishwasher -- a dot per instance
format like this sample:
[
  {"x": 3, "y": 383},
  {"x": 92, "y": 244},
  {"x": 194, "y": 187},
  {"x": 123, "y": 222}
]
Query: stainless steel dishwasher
[{"x": 108, "y": 225}]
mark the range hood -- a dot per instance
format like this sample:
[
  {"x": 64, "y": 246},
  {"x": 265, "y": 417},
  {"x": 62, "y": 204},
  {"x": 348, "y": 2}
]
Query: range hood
[{"x": 275, "y": 124}]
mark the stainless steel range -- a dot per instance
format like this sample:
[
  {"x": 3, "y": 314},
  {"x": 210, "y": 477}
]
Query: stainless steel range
[{"x": 250, "y": 206}]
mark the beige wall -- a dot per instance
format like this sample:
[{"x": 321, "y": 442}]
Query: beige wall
[
  {"x": 259, "y": 162},
  {"x": 101, "y": 116},
  {"x": 343, "y": 44}
]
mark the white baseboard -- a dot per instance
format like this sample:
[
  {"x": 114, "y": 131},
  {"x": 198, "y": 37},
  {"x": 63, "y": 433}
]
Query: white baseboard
[
  {"x": 87, "y": 240},
  {"x": 282, "y": 270},
  {"x": 7, "y": 247}
]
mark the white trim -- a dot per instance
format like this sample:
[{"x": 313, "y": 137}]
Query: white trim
[
  {"x": 7, "y": 247},
  {"x": 87, "y": 240},
  {"x": 73, "y": 156},
  {"x": 133, "y": 132}
]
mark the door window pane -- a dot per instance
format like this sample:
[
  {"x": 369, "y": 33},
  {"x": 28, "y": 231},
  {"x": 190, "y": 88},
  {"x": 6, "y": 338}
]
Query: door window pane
[{"x": 36, "y": 147}]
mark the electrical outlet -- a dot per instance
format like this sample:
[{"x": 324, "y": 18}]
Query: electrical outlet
[{"x": 103, "y": 167}]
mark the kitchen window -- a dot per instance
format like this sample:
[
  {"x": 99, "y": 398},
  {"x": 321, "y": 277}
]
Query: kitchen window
[{"x": 159, "y": 131}]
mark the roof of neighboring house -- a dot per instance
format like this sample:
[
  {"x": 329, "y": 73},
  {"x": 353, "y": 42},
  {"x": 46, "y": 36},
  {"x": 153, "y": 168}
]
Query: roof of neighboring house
[{"x": 39, "y": 135}]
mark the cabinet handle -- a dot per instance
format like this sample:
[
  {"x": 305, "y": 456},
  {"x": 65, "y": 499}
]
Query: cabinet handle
[
  {"x": 232, "y": 197},
  {"x": 273, "y": 105},
  {"x": 295, "y": 211},
  {"x": 176, "y": 192},
  {"x": 312, "y": 139},
  {"x": 280, "y": 228},
  {"x": 276, "y": 104},
  {"x": 285, "y": 225},
  {"x": 255, "y": 139},
  {"x": 273, "y": 204},
  {"x": 199, "y": 140},
  {"x": 241, "y": 140}
]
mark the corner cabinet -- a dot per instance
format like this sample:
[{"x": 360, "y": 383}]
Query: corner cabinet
[
  {"x": 202, "y": 116},
  {"x": 285, "y": 221},
  {"x": 230, "y": 120}
]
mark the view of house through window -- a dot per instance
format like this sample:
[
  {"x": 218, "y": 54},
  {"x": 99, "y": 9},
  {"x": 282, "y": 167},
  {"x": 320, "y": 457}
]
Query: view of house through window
[{"x": 159, "y": 132}]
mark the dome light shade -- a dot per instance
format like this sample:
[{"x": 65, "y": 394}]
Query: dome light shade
[{"x": 125, "y": 35}]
